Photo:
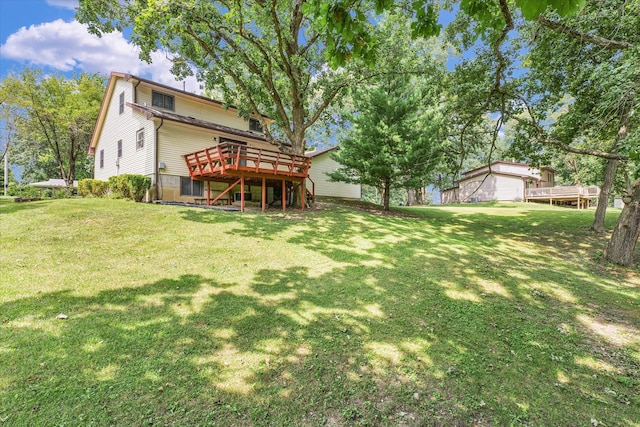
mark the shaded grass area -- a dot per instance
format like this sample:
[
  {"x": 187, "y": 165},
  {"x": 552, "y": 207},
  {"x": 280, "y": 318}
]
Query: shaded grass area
[{"x": 485, "y": 315}]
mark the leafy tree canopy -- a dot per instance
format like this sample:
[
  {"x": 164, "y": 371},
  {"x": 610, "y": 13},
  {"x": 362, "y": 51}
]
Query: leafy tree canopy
[
  {"x": 265, "y": 56},
  {"x": 345, "y": 23},
  {"x": 52, "y": 120},
  {"x": 396, "y": 139}
]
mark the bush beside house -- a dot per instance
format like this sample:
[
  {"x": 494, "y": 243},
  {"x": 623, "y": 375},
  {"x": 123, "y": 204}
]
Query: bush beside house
[{"x": 130, "y": 186}]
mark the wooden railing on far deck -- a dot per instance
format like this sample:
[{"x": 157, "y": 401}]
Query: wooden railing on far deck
[
  {"x": 563, "y": 192},
  {"x": 231, "y": 158}
]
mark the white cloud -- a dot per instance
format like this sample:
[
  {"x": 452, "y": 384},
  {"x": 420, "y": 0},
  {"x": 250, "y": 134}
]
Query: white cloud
[
  {"x": 68, "y": 46},
  {"x": 67, "y": 4}
]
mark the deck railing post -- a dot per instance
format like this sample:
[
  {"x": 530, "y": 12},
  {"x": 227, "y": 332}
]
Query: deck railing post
[
  {"x": 221, "y": 158},
  {"x": 237, "y": 155},
  {"x": 284, "y": 195},
  {"x": 264, "y": 194},
  {"x": 242, "y": 193}
]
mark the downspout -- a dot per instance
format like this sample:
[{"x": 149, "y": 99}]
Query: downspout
[
  {"x": 157, "y": 159},
  {"x": 135, "y": 92}
]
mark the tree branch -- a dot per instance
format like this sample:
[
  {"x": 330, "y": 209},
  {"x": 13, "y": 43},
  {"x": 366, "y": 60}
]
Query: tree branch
[
  {"x": 543, "y": 138},
  {"x": 590, "y": 38},
  {"x": 236, "y": 78}
]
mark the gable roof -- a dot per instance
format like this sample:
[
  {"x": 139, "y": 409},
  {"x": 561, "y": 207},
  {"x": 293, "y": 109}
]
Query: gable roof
[
  {"x": 316, "y": 153},
  {"x": 493, "y": 172},
  {"x": 111, "y": 84},
  {"x": 483, "y": 168}
]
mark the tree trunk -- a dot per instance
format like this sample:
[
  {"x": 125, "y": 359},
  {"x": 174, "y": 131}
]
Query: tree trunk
[
  {"x": 603, "y": 199},
  {"x": 297, "y": 148},
  {"x": 621, "y": 247},
  {"x": 419, "y": 196},
  {"x": 386, "y": 195},
  {"x": 411, "y": 200}
]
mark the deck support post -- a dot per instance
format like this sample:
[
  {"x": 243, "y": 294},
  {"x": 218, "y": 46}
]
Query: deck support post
[
  {"x": 264, "y": 194},
  {"x": 241, "y": 193},
  {"x": 284, "y": 196},
  {"x": 304, "y": 195},
  {"x": 208, "y": 193}
]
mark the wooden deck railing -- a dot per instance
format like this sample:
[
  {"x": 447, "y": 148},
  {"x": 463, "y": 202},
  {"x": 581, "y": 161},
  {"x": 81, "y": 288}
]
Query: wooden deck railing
[
  {"x": 233, "y": 159},
  {"x": 563, "y": 192}
]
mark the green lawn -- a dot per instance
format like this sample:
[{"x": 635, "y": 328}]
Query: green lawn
[{"x": 485, "y": 315}]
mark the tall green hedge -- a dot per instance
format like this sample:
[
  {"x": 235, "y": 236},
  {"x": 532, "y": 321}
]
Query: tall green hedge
[
  {"x": 93, "y": 187},
  {"x": 130, "y": 186}
]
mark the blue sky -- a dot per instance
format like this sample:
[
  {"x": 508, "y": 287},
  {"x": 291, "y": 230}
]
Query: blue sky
[{"x": 44, "y": 34}]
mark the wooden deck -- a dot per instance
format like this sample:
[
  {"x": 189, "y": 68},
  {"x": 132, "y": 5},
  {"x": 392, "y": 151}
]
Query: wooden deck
[
  {"x": 229, "y": 159},
  {"x": 236, "y": 163},
  {"x": 575, "y": 195}
]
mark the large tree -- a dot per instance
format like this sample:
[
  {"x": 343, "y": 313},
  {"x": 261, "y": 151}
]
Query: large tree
[
  {"x": 396, "y": 137},
  {"x": 264, "y": 56},
  {"x": 53, "y": 119},
  {"x": 394, "y": 142},
  {"x": 580, "y": 95}
]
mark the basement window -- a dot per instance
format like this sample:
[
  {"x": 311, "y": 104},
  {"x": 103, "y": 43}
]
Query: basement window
[
  {"x": 189, "y": 187},
  {"x": 162, "y": 100}
]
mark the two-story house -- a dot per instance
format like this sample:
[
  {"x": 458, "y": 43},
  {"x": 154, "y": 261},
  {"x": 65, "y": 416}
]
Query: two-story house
[
  {"x": 192, "y": 148},
  {"x": 509, "y": 181},
  {"x": 501, "y": 181}
]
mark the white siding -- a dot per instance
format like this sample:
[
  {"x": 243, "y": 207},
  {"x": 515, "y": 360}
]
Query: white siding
[
  {"x": 450, "y": 196},
  {"x": 521, "y": 169},
  {"x": 177, "y": 139},
  {"x": 508, "y": 168},
  {"x": 196, "y": 108},
  {"x": 494, "y": 187},
  {"x": 123, "y": 127},
  {"x": 509, "y": 188},
  {"x": 320, "y": 166}
]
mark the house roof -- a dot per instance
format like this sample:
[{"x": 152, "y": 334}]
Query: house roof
[
  {"x": 111, "y": 84},
  {"x": 485, "y": 172},
  {"x": 166, "y": 115},
  {"x": 316, "y": 153},
  {"x": 53, "y": 183},
  {"x": 504, "y": 163}
]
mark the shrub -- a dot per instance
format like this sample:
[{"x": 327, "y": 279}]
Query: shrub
[
  {"x": 130, "y": 186},
  {"x": 84, "y": 187},
  {"x": 99, "y": 188},
  {"x": 93, "y": 187},
  {"x": 138, "y": 186},
  {"x": 118, "y": 186},
  {"x": 26, "y": 191},
  {"x": 61, "y": 193}
]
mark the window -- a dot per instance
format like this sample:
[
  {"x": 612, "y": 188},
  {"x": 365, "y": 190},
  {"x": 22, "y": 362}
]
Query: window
[
  {"x": 122, "y": 103},
  {"x": 140, "y": 139},
  {"x": 162, "y": 100},
  {"x": 255, "y": 125},
  {"x": 119, "y": 148},
  {"x": 189, "y": 187},
  {"x": 101, "y": 159}
]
